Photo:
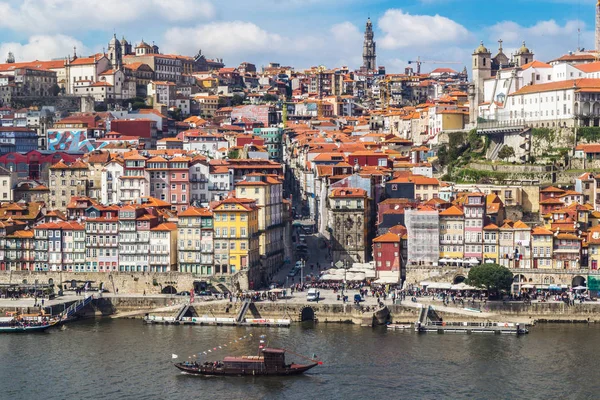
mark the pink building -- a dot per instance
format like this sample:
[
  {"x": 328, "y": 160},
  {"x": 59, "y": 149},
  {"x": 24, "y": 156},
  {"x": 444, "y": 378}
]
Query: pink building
[
  {"x": 474, "y": 209},
  {"x": 170, "y": 181}
]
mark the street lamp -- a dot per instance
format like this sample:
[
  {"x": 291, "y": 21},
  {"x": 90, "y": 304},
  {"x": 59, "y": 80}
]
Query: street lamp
[
  {"x": 302, "y": 273},
  {"x": 344, "y": 284}
]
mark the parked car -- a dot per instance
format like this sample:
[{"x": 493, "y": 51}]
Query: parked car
[
  {"x": 313, "y": 294},
  {"x": 185, "y": 293}
]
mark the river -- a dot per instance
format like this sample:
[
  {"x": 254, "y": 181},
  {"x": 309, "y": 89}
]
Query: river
[{"x": 125, "y": 359}]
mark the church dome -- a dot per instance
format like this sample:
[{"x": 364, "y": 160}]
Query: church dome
[
  {"x": 124, "y": 42},
  {"x": 481, "y": 49},
  {"x": 114, "y": 41},
  {"x": 143, "y": 45},
  {"x": 524, "y": 49}
]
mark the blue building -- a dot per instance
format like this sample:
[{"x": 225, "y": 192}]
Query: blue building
[
  {"x": 17, "y": 139},
  {"x": 273, "y": 138}
]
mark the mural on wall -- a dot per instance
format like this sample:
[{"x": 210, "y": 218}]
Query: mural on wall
[{"x": 75, "y": 141}]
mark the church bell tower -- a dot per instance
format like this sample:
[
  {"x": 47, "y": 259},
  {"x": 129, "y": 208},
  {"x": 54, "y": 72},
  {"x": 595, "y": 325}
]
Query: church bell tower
[{"x": 369, "y": 54}]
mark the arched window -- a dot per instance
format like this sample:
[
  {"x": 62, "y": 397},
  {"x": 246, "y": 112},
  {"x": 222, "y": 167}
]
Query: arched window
[{"x": 349, "y": 240}]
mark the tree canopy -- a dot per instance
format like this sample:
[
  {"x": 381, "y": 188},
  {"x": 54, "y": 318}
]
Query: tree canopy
[
  {"x": 506, "y": 152},
  {"x": 493, "y": 277}
]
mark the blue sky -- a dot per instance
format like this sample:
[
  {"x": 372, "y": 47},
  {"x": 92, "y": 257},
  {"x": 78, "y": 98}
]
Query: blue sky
[{"x": 298, "y": 32}]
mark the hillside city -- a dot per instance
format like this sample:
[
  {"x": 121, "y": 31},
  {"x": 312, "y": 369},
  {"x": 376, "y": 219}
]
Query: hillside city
[{"x": 132, "y": 160}]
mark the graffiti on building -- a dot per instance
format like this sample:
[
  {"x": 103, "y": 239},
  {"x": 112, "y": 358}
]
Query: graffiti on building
[{"x": 75, "y": 140}]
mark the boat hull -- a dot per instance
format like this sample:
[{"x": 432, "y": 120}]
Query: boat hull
[
  {"x": 293, "y": 369},
  {"x": 25, "y": 329}
]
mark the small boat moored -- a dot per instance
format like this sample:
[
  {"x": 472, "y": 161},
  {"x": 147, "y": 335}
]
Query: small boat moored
[{"x": 398, "y": 327}]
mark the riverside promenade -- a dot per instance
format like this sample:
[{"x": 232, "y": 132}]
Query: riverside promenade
[{"x": 328, "y": 309}]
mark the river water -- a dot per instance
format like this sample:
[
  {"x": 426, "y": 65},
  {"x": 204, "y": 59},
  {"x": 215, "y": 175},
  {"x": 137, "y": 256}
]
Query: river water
[{"x": 125, "y": 359}]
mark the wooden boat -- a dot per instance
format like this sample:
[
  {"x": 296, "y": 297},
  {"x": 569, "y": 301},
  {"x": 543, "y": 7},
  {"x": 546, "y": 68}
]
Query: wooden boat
[
  {"x": 23, "y": 323},
  {"x": 272, "y": 362},
  {"x": 23, "y": 328}
]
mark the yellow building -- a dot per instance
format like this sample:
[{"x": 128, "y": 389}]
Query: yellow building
[
  {"x": 236, "y": 246},
  {"x": 267, "y": 191},
  {"x": 452, "y": 222},
  {"x": 594, "y": 247},
  {"x": 491, "y": 246},
  {"x": 541, "y": 245}
]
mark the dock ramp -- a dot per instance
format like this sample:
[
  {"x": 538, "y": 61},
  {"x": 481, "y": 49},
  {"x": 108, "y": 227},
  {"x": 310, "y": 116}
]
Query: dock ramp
[{"x": 245, "y": 306}]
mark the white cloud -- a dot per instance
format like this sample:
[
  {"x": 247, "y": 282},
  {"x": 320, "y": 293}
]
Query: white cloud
[
  {"x": 346, "y": 32},
  {"x": 402, "y": 30},
  {"x": 547, "y": 39},
  {"x": 226, "y": 39},
  {"x": 42, "y": 47},
  {"x": 70, "y": 15}
]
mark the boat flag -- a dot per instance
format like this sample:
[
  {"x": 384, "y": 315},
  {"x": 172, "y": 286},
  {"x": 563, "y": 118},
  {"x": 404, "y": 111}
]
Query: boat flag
[
  {"x": 174, "y": 356},
  {"x": 320, "y": 363}
]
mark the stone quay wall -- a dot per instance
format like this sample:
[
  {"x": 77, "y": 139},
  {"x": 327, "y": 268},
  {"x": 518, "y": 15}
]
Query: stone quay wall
[{"x": 125, "y": 282}]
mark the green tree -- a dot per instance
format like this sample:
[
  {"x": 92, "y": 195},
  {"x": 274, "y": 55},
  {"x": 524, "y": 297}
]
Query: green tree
[
  {"x": 506, "y": 152},
  {"x": 176, "y": 114},
  {"x": 237, "y": 100},
  {"x": 234, "y": 154},
  {"x": 474, "y": 140},
  {"x": 269, "y": 97},
  {"x": 443, "y": 155},
  {"x": 223, "y": 102},
  {"x": 493, "y": 277},
  {"x": 55, "y": 89}
]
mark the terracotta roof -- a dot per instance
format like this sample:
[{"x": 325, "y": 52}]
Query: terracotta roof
[
  {"x": 196, "y": 212},
  {"x": 536, "y": 64},
  {"x": 552, "y": 200},
  {"x": 348, "y": 192},
  {"x": 568, "y": 236},
  {"x": 520, "y": 225},
  {"x": 453, "y": 211},
  {"x": 577, "y": 84},
  {"x": 589, "y": 148},
  {"x": 551, "y": 189},
  {"x": 387, "y": 237},
  {"x": 539, "y": 230},
  {"x": 490, "y": 227},
  {"x": 166, "y": 226}
]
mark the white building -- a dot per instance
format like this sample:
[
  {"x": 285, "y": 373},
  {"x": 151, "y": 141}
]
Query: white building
[{"x": 111, "y": 174}]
